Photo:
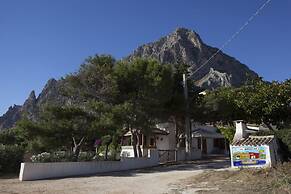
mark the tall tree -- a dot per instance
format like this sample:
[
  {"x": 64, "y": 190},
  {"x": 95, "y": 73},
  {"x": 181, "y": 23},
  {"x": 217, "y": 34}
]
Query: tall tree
[
  {"x": 144, "y": 88},
  {"x": 264, "y": 102},
  {"x": 176, "y": 106},
  {"x": 94, "y": 80}
]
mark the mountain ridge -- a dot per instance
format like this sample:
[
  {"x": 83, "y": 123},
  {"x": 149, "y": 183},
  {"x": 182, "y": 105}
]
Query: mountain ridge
[{"x": 186, "y": 46}]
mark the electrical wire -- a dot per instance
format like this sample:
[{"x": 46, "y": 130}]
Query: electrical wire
[{"x": 251, "y": 18}]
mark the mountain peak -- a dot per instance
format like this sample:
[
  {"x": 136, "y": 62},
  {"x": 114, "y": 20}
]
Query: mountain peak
[
  {"x": 181, "y": 31},
  {"x": 184, "y": 46}
]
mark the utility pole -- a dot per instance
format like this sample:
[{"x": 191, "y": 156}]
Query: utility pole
[{"x": 187, "y": 118}]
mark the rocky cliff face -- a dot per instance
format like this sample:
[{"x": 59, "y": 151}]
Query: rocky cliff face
[
  {"x": 181, "y": 46},
  {"x": 186, "y": 46},
  {"x": 214, "y": 79},
  {"x": 9, "y": 119},
  {"x": 51, "y": 94}
]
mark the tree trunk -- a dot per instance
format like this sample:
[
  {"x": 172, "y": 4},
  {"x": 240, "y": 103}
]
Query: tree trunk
[
  {"x": 134, "y": 141},
  {"x": 77, "y": 148},
  {"x": 76, "y": 152},
  {"x": 269, "y": 126},
  {"x": 138, "y": 145},
  {"x": 106, "y": 152}
]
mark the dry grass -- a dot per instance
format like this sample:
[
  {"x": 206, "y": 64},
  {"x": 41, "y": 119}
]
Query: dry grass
[{"x": 245, "y": 181}]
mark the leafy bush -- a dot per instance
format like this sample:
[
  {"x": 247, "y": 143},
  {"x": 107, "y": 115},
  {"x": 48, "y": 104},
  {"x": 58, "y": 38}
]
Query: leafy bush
[
  {"x": 51, "y": 157},
  {"x": 113, "y": 152},
  {"x": 10, "y": 158},
  {"x": 86, "y": 156},
  {"x": 284, "y": 136},
  {"x": 228, "y": 132},
  {"x": 61, "y": 157}
]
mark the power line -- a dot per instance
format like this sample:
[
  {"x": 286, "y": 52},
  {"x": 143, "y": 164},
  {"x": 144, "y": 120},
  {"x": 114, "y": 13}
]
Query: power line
[{"x": 251, "y": 18}]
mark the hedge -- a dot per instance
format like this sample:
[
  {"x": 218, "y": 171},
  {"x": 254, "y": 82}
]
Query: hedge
[{"x": 10, "y": 158}]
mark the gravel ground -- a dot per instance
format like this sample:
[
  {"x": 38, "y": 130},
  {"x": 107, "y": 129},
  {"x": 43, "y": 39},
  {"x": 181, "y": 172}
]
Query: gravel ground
[{"x": 162, "y": 179}]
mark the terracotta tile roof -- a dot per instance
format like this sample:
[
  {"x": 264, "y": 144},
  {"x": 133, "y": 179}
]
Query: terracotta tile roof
[{"x": 254, "y": 141}]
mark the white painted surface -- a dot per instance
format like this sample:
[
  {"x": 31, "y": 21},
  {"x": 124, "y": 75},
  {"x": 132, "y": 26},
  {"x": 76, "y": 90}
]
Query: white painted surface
[
  {"x": 240, "y": 130},
  {"x": 127, "y": 151},
  {"x": 166, "y": 142},
  {"x": 35, "y": 171},
  {"x": 181, "y": 154}
]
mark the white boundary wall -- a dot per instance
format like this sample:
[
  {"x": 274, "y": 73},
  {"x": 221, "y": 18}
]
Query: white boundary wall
[
  {"x": 36, "y": 171},
  {"x": 181, "y": 154}
]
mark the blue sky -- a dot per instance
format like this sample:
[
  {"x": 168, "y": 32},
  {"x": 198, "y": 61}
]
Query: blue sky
[{"x": 41, "y": 39}]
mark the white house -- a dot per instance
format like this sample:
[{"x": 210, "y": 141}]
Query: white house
[
  {"x": 205, "y": 141},
  {"x": 206, "y": 138},
  {"x": 163, "y": 137},
  {"x": 252, "y": 151}
]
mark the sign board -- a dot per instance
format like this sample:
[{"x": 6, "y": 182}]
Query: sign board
[{"x": 248, "y": 155}]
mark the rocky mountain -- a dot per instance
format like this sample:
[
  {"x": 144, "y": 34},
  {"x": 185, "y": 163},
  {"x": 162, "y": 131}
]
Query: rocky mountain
[
  {"x": 214, "y": 79},
  {"x": 183, "y": 46},
  {"x": 10, "y": 117},
  {"x": 50, "y": 95}
]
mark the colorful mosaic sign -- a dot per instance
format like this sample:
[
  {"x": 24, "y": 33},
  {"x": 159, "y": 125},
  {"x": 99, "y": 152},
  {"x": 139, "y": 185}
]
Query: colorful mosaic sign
[{"x": 248, "y": 155}]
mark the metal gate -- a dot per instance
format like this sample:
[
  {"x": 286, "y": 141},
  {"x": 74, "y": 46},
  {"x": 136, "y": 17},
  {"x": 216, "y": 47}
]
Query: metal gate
[{"x": 167, "y": 156}]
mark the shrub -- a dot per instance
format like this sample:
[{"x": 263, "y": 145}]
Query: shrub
[
  {"x": 86, "y": 156},
  {"x": 61, "y": 156},
  {"x": 228, "y": 132},
  {"x": 284, "y": 136},
  {"x": 10, "y": 158},
  {"x": 113, "y": 152},
  {"x": 51, "y": 157}
]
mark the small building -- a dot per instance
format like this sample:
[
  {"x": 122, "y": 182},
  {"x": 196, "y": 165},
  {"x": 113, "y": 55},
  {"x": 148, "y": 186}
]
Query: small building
[
  {"x": 162, "y": 137},
  {"x": 208, "y": 140},
  {"x": 252, "y": 151}
]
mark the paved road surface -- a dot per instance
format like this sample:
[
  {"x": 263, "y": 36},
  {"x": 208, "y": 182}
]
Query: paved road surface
[{"x": 162, "y": 179}]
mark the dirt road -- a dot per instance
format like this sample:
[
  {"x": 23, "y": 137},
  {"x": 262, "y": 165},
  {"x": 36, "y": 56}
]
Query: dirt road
[{"x": 162, "y": 179}]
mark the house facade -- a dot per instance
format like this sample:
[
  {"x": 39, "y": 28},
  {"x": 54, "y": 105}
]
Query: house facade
[
  {"x": 163, "y": 137},
  {"x": 205, "y": 141},
  {"x": 208, "y": 140}
]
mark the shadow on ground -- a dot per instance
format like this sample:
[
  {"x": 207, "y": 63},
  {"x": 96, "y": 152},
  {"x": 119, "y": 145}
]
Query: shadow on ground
[{"x": 211, "y": 163}]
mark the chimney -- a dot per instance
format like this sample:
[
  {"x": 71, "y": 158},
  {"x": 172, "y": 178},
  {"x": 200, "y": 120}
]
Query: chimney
[{"x": 240, "y": 130}]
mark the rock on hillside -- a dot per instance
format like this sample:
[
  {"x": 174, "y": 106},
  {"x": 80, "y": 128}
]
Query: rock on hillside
[
  {"x": 10, "y": 117},
  {"x": 30, "y": 109}
]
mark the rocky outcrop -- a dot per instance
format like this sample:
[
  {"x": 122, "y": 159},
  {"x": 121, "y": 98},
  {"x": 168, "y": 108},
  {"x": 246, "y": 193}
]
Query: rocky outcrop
[
  {"x": 29, "y": 107},
  {"x": 214, "y": 79},
  {"x": 51, "y": 94},
  {"x": 184, "y": 46},
  {"x": 10, "y": 118}
]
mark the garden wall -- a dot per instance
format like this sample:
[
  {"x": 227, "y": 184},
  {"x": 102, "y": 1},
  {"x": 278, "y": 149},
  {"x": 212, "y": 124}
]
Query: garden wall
[
  {"x": 36, "y": 171},
  {"x": 181, "y": 154}
]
